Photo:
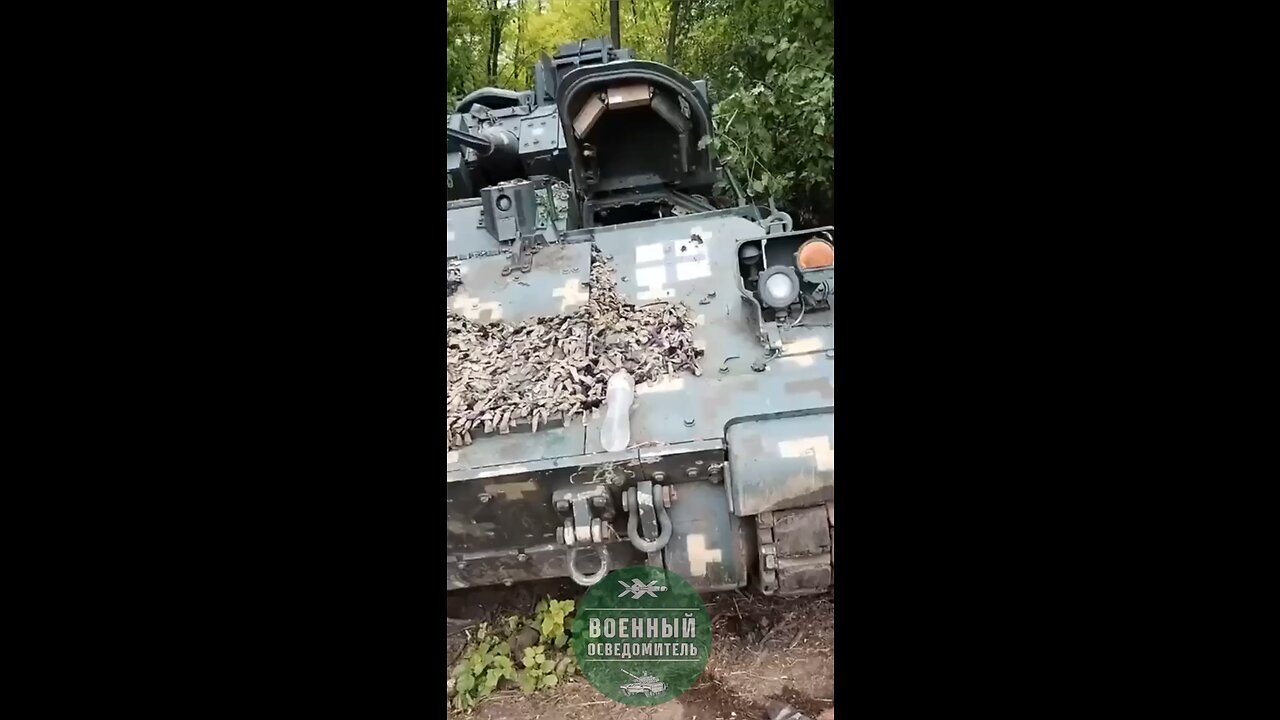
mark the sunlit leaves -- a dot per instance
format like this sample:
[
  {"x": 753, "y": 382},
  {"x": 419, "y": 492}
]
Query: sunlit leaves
[{"x": 488, "y": 659}]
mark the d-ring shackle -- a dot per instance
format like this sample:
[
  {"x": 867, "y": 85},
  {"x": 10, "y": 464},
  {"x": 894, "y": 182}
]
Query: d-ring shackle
[{"x": 633, "y": 525}]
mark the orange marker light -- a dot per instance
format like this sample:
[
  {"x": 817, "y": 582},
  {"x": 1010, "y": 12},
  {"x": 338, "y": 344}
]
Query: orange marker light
[{"x": 816, "y": 254}]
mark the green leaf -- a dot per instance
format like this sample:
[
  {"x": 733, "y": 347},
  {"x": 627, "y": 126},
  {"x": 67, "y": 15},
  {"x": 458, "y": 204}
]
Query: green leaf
[
  {"x": 561, "y": 640},
  {"x": 769, "y": 55},
  {"x": 547, "y": 666},
  {"x": 757, "y": 185},
  {"x": 492, "y": 677},
  {"x": 528, "y": 682},
  {"x": 503, "y": 649},
  {"x": 768, "y": 39},
  {"x": 549, "y": 681},
  {"x": 465, "y": 683}
]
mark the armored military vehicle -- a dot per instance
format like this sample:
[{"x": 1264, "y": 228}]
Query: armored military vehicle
[
  {"x": 645, "y": 684},
  {"x": 636, "y": 376}
]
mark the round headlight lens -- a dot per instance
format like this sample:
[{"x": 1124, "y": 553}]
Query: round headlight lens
[{"x": 779, "y": 288}]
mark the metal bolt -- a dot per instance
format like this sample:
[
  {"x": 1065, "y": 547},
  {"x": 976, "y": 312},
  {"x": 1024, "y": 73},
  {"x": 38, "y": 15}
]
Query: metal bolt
[
  {"x": 562, "y": 505},
  {"x": 689, "y": 422},
  {"x": 598, "y": 501},
  {"x": 485, "y": 497},
  {"x": 692, "y": 472},
  {"x": 659, "y": 476},
  {"x": 508, "y": 582},
  {"x": 462, "y": 565},
  {"x": 831, "y": 354},
  {"x": 716, "y": 468},
  {"x": 522, "y": 557}
]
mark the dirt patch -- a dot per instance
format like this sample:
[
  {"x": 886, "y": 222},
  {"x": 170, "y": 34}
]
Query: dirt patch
[{"x": 763, "y": 649}]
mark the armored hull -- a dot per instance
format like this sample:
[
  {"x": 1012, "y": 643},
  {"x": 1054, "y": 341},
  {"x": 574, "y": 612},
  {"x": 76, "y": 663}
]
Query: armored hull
[{"x": 728, "y": 474}]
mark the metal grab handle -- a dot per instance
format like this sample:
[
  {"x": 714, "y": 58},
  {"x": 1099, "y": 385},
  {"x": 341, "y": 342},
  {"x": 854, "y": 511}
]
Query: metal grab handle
[
  {"x": 588, "y": 580},
  {"x": 778, "y": 218},
  {"x": 633, "y": 526}
]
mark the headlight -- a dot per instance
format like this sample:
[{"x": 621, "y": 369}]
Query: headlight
[{"x": 779, "y": 287}]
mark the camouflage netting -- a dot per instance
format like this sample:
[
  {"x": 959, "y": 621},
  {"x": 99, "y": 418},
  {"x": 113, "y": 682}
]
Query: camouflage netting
[{"x": 549, "y": 370}]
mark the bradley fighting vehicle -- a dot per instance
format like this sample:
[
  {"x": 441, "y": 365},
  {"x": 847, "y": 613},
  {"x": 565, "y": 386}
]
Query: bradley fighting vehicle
[{"x": 728, "y": 476}]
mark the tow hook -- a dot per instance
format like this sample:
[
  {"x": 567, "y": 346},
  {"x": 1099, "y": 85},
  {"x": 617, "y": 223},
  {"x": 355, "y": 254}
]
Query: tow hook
[{"x": 640, "y": 500}]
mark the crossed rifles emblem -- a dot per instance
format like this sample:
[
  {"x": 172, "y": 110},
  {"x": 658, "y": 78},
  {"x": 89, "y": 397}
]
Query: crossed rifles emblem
[{"x": 638, "y": 589}]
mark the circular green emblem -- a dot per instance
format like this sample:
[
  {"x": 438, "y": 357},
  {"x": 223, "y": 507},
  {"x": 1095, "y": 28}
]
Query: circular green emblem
[{"x": 642, "y": 635}]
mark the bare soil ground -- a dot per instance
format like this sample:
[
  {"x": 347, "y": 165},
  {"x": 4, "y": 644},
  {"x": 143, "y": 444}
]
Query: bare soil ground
[{"x": 762, "y": 649}]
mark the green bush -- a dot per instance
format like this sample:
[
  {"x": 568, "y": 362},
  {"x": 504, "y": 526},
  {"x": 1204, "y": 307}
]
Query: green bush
[{"x": 487, "y": 659}]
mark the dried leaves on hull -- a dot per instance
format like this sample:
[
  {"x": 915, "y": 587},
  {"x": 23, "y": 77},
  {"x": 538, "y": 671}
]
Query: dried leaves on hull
[{"x": 551, "y": 370}]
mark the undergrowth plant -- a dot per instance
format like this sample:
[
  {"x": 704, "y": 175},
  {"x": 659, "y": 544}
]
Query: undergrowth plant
[{"x": 532, "y": 652}]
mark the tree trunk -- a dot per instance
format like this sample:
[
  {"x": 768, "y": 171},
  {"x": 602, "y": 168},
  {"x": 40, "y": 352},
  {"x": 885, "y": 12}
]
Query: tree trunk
[
  {"x": 671, "y": 32},
  {"x": 515, "y": 57},
  {"x": 495, "y": 39}
]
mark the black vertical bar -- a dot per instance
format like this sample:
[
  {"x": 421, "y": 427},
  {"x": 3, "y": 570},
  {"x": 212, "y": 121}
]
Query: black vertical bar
[{"x": 614, "y": 32}]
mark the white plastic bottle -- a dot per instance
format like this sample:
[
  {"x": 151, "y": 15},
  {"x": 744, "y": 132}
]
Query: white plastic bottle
[{"x": 615, "y": 433}]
